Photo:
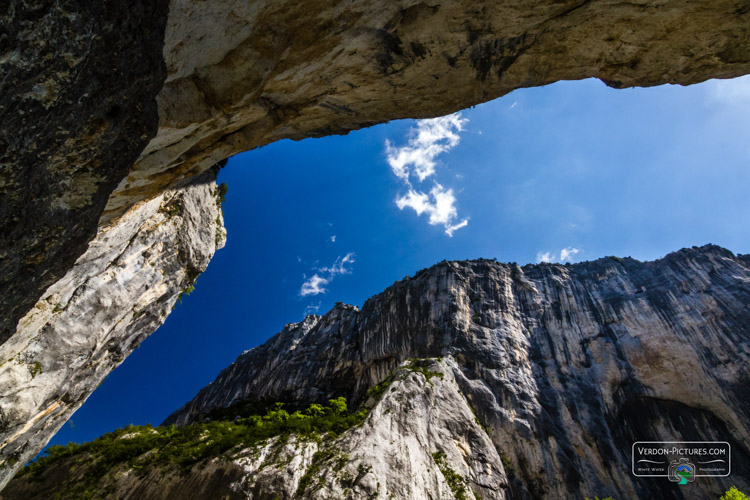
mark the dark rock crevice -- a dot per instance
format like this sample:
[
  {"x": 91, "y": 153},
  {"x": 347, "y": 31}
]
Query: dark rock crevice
[{"x": 78, "y": 105}]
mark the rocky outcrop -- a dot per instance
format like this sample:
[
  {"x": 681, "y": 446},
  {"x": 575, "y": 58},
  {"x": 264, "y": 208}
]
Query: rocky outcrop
[
  {"x": 241, "y": 75},
  {"x": 566, "y": 366},
  {"x": 420, "y": 440},
  {"x": 77, "y": 106},
  {"x": 482, "y": 380},
  {"x": 80, "y": 81},
  {"x": 85, "y": 83},
  {"x": 116, "y": 294}
]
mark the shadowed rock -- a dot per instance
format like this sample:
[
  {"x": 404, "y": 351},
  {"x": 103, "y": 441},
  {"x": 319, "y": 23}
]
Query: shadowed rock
[
  {"x": 84, "y": 84},
  {"x": 566, "y": 366}
]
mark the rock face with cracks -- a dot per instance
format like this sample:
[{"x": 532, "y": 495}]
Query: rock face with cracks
[
  {"x": 495, "y": 381},
  {"x": 566, "y": 366},
  {"x": 78, "y": 80},
  {"x": 419, "y": 441},
  {"x": 242, "y": 75},
  {"x": 107, "y": 105},
  {"x": 116, "y": 295}
]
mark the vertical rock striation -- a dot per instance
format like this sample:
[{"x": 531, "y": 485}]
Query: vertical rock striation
[
  {"x": 116, "y": 294},
  {"x": 566, "y": 366},
  {"x": 78, "y": 81},
  {"x": 419, "y": 441},
  {"x": 106, "y": 105}
]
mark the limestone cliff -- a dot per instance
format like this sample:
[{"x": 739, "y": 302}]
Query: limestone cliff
[
  {"x": 539, "y": 380},
  {"x": 116, "y": 294},
  {"x": 566, "y": 365},
  {"x": 84, "y": 81},
  {"x": 241, "y": 75},
  {"x": 420, "y": 440},
  {"x": 107, "y": 105}
]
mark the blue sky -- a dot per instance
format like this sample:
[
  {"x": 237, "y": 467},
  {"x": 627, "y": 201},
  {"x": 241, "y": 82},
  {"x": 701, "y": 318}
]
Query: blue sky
[{"x": 572, "y": 171}]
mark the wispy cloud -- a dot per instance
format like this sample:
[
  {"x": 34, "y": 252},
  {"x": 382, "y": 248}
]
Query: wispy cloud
[
  {"x": 333, "y": 239},
  {"x": 312, "y": 308},
  {"x": 439, "y": 205},
  {"x": 566, "y": 255},
  {"x": 417, "y": 160},
  {"x": 339, "y": 266},
  {"x": 315, "y": 284},
  {"x": 429, "y": 139}
]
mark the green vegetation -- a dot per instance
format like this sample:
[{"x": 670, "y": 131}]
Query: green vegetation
[
  {"x": 731, "y": 494},
  {"x": 420, "y": 365},
  {"x": 142, "y": 448},
  {"x": 734, "y": 494},
  {"x": 507, "y": 464},
  {"x": 35, "y": 368},
  {"x": 186, "y": 291},
  {"x": 172, "y": 209},
  {"x": 455, "y": 481},
  {"x": 221, "y": 197},
  {"x": 10, "y": 462},
  {"x": 313, "y": 472},
  {"x": 221, "y": 193},
  {"x": 219, "y": 236},
  {"x": 378, "y": 390}
]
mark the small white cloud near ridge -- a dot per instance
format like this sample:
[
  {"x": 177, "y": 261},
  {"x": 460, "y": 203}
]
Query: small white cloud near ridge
[
  {"x": 313, "y": 286},
  {"x": 566, "y": 255},
  {"x": 316, "y": 283}
]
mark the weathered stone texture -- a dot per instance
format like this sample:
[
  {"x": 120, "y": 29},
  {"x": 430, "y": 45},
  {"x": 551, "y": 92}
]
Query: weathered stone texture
[
  {"x": 566, "y": 365},
  {"x": 420, "y": 426},
  {"x": 116, "y": 295},
  {"x": 78, "y": 80},
  {"x": 82, "y": 83},
  {"x": 241, "y": 75}
]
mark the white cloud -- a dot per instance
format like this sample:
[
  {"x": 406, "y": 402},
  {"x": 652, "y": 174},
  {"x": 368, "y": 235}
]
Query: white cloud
[
  {"x": 566, "y": 255},
  {"x": 544, "y": 257},
  {"x": 315, "y": 284},
  {"x": 333, "y": 239},
  {"x": 339, "y": 266},
  {"x": 429, "y": 139},
  {"x": 439, "y": 205}
]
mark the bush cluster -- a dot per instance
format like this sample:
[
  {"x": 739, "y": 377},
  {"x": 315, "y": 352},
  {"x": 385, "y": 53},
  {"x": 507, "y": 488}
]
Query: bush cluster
[{"x": 141, "y": 448}]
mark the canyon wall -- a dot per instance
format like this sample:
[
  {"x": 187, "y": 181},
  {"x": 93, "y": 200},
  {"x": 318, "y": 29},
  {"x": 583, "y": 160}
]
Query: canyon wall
[
  {"x": 482, "y": 380},
  {"x": 86, "y": 324},
  {"x": 565, "y": 366},
  {"x": 106, "y": 106}
]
